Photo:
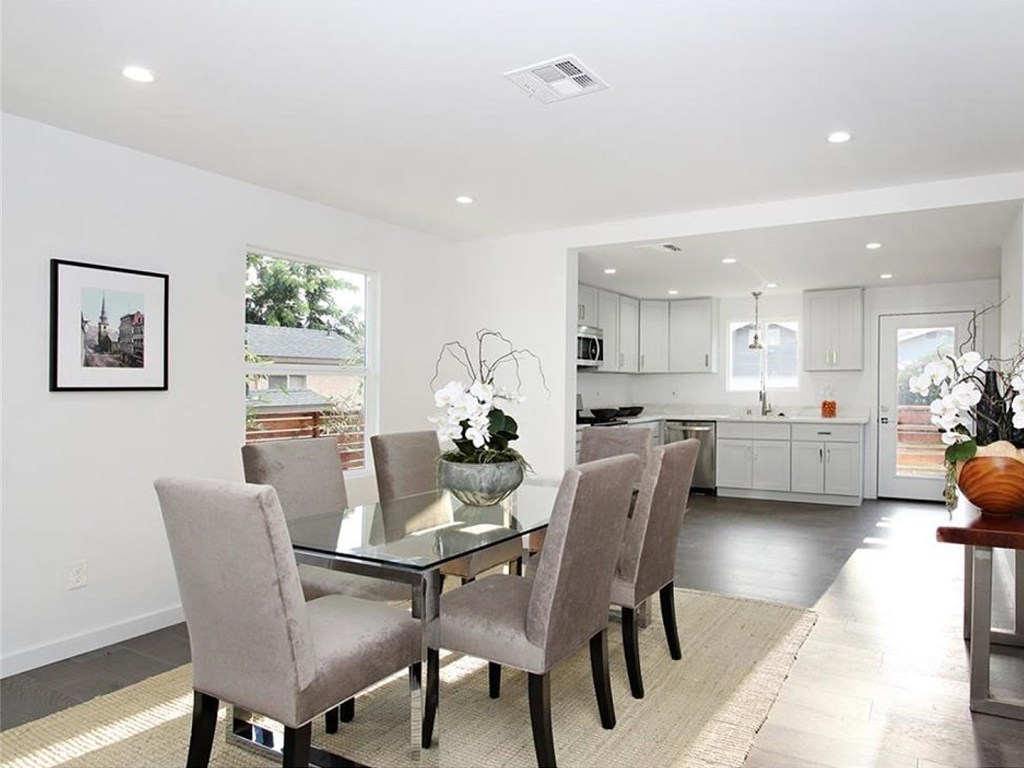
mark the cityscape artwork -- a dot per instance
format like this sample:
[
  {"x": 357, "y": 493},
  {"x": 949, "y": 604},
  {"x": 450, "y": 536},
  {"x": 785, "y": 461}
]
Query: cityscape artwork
[{"x": 108, "y": 327}]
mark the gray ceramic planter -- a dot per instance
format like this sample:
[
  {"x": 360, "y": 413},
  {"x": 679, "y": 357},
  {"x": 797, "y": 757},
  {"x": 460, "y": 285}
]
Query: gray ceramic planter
[{"x": 481, "y": 485}]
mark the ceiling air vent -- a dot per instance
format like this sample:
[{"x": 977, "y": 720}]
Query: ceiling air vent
[
  {"x": 557, "y": 79},
  {"x": 667, "y": 247}
]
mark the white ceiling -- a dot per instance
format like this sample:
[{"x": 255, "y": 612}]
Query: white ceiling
[
  {"x": 392, "y": 108},
  {"x": 939, "y": 246}
]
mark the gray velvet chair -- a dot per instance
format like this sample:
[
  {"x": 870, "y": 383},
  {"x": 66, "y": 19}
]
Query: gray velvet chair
[
  {"x": 532, "y": 624},
  {"x": 306, "y": 473},
  {"x": 255, "y": 640},
  {"x": 602, "y": 442},
  {"x": 406, "y": 464},
  {"x": 647, "y": 558}
]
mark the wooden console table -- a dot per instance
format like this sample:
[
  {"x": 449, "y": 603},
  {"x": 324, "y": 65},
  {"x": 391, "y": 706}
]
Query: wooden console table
[{"x": 980, "y": 534}]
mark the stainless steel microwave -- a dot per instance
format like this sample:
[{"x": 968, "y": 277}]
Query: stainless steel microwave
[{"x": 589, "y": 347}]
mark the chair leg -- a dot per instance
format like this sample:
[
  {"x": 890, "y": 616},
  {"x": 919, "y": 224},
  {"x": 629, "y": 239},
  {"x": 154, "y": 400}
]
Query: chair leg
[
  {"x": 467, "y": 579},
  {"x": 668, "y": 618},
  {"x": 540, "y": 719},
  {"x": 602, "y": 680},
  {"x": 433, "y": 684},
  {"x": 347, "y": 710},
  {"x": 494, "y": 679},
  {"x": 331, "y": 717},
  {"x": 204, "y": 723},
  {"x": 519, "y": 566},
  {"x": 296, "y": 747},
  {"x": 631, "y": 647}
]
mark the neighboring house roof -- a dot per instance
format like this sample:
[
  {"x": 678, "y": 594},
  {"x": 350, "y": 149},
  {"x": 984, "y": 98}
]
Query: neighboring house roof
[
  {"x": 287, "y": 400},
  {"x": 298, "y": 344}
]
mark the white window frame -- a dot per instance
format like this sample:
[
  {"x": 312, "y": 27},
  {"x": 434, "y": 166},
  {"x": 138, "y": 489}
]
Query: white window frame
[
  {"x": 369, "y": 369},
  {"x": 765, "y": 322}
]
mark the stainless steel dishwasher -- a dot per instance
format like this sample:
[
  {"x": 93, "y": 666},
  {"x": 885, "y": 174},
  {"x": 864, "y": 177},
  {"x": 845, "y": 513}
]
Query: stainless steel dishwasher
[{"x": 704, "y": 432}]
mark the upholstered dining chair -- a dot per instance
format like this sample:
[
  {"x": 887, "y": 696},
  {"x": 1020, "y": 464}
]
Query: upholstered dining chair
[
  {"x": 602, "y": 442},
  {"x": 306, "y": 473},
  {"x": 255, "y": 640},
  {"x": 532, "y": 624},
  {"x": 647, "y": 558},
  {"x": 406, "y": 464}
]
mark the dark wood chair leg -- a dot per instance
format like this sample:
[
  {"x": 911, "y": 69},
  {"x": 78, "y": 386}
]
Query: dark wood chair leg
[
  {"x": 519, "y": 566},
  {"x": 668, "y": 618},
  {"x": 347, "y": 710},
  {"x": 296, "y": 746},
  {"x": 540, "y": 719},
  {"x": 602, "y": 680},
  {"x": 631, "y": 647},
  {"x": 467, "y": 579},
  {"x": 494, "y": 679},
  {"x": 204, "y": 723},
  {"x": 433, "y": 684},
  {"x": 331, "y": 718}
]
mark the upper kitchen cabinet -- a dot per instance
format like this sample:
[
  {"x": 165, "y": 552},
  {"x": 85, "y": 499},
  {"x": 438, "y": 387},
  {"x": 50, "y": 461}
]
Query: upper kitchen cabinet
[
  {"x": 629, "y": 335},
  {"x": 834, "y": 330},
  {"x": 586, "y": 309},
  {"x": 693, "y": 336},
  {"x": 608, "y": 318},
  {"x": 654, "y": 336}
]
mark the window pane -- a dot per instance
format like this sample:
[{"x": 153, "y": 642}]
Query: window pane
[
  {"x": 330, "y": 404},
  {"x": 919, "y": 448},
  {"x": 780, "y": 354},
  {"x": 303, "y": 313}
]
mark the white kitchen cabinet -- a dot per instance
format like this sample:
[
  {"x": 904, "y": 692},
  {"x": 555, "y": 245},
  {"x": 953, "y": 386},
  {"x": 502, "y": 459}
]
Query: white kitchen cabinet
[
  {"x": 693, "y": 336},
  {"x": 629, "y": 335},
  {"x": 586, "y": 310},
  {"x": 653, "y": 336},
  {"x": 753, "y": 455},
  {"x": 608, "y": 322},
  {"x": 833, "y": 329},
  {"x": 827, "y": 459}
]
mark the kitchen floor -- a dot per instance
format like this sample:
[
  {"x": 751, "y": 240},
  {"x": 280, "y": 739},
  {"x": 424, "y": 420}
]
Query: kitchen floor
[{"x": 882, "y": 679}]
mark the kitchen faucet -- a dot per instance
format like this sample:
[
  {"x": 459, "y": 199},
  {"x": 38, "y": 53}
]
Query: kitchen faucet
[{"x": 762, "y": 396}]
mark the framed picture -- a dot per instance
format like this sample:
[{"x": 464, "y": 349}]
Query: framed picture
[{"x": 108, "y": 328}]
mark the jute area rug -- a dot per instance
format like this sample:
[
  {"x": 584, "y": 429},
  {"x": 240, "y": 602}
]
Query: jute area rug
[{"x": 701, "y": 711}]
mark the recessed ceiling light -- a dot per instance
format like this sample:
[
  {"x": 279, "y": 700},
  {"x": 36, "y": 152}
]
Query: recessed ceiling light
[
  {"x": 464, "y": 199},
  {"x": 138, "y": 74},
  {"x": 673, "y": 292},
  {"x": 610, "y": 271},
  {"x": 839, "y": 137},
  {"x": 886, "y": 276},
  {"x": 771, "y": 285},
  {"x": 729, "y": 260},
  {"x": 873, "y": 246}
]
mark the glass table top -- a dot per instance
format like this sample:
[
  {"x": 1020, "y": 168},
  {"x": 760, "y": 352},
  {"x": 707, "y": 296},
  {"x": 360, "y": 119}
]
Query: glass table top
[{"x": 423, "y": 531}]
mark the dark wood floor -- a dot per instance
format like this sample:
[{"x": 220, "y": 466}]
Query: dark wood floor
[{"x": 884, "y": 656}]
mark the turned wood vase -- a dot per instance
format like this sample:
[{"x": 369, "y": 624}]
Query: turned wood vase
[{"x": 994, "y": 484}]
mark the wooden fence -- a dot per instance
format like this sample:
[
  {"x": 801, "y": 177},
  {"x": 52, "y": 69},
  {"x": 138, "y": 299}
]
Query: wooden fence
[{"x": 349, "y": 429}]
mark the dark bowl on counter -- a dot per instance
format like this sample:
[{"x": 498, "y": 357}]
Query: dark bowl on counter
[
  {"x": 630, "y": 411},
  {"x": 604, "y": 414}
]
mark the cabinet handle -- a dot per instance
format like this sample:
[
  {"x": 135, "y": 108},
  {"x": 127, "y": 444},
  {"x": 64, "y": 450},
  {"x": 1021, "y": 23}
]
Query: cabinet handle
[
  {"x": 707, "y": 360},
  {"x": 828, "y": 455},
  {"x": 821, "y": 455},
  {"x": 828, "y": 356}
]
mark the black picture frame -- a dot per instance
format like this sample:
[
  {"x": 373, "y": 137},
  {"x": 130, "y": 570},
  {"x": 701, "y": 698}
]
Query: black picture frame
[{"x": 86, "y": 353}]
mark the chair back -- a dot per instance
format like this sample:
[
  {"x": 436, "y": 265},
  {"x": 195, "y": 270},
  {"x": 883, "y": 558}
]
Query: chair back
[
  {"x": 602, "y": 442},
  {"x": 240, "y": 591},
  {"x": 571, "y": 589},
  {"x": 405, "y": 463},
  {"x": 305, "y": 472},
  {"x": 648, "y": 556}
]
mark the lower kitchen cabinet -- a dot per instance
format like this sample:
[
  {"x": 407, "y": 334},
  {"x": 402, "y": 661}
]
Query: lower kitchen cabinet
[
  {"x": 755, "y": 464},
  {"x": 826, "y": 467}
]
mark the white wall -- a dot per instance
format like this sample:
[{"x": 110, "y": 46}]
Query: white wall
[
  {"x": 78, "y": 467},
  {"x": 1012, "y": 288}
]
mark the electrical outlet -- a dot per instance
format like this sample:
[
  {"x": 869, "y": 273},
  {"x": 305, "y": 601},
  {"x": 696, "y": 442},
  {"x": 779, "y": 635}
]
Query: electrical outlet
[{"x": 78, "y": 575}]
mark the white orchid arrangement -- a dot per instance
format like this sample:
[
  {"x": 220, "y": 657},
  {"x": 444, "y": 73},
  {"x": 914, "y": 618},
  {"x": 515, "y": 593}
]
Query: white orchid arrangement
[
  {"x": 473, "y": 418},
  {"x": 977, "y": 402}
]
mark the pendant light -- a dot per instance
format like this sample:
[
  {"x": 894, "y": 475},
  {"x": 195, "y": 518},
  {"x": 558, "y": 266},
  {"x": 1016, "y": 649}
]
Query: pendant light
[{"x": 756, "y": 341}]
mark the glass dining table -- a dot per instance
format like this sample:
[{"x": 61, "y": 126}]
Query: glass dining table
[{"x": 407, "y": 540}]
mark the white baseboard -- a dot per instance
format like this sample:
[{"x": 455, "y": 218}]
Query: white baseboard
[
  {"x": 802, "y": 498},
  {"x": 37, "y": 656}
]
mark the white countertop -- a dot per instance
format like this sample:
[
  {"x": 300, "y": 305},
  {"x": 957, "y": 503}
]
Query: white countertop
[{"x": 694, "y": 416}]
